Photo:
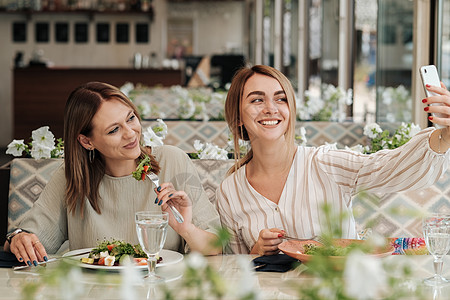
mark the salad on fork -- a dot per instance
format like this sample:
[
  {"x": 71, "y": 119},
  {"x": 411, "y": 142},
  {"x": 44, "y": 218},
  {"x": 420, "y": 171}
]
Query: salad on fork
[{"x": 143, "y": 170}]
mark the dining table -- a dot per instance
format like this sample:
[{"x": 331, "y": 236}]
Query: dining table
[{"x": 98, "y": 284}]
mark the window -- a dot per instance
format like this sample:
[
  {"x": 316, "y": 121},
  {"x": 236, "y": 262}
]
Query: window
[
  {"x": 41, "y": 32},
  {"x": 102, "y": 32}
]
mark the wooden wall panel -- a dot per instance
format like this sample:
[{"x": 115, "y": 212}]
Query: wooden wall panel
[{"x": 40, "y": 93}]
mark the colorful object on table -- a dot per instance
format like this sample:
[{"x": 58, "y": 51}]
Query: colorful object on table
[{"x": 409, "y": 246}]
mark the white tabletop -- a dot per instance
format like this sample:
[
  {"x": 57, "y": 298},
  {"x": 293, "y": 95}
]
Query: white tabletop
[{"x": 270, "y": 284}]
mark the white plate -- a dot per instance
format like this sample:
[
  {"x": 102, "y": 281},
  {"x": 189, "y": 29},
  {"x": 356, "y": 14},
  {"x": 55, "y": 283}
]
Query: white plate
[{"x": 169, "y": 257}]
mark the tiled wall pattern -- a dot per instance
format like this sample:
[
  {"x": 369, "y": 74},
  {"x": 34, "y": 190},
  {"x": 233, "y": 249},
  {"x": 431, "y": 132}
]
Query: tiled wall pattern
[{"x": 183, "y": 133}]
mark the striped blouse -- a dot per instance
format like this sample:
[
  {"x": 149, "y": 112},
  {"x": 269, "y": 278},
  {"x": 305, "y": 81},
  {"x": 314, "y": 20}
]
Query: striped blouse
[{"x": 324, "y": 175}]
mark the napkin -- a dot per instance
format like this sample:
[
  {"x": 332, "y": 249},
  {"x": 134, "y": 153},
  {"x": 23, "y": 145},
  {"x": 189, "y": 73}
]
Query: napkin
[
  {"x": 275, "y": 263},
  {"x": 9, "y": 260}
]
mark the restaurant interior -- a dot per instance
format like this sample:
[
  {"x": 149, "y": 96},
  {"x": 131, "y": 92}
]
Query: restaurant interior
[{"x": 350, "y": 62}]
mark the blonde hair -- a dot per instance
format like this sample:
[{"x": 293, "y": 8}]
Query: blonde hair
[
  {"x": 233, "y": 110},
  {"x": 82, "y": 175}
]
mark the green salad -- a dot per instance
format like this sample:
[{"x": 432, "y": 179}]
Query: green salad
[
  {"x": 142, "y": 169},
  {"x": 312, "y": 249},
  {"x": 113, "y": 250}
]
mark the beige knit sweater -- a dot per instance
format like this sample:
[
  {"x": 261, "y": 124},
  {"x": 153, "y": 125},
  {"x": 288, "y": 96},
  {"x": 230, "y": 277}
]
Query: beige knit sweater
[{"x": 121, "y": 197}]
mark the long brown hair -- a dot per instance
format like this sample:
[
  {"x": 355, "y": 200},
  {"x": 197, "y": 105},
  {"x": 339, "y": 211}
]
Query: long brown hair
[
  {"x": 233, "y": 109},
  {"x": 82, "y": 175}
]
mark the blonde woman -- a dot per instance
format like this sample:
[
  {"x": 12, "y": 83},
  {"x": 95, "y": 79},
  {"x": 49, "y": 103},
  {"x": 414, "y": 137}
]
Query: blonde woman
[{"x": 279, "y": 188}]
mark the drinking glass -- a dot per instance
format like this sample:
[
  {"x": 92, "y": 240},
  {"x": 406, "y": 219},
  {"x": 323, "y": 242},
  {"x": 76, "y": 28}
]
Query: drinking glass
[
  {"x": 151, "y": 228},
  {"x": 436, "y": 231}
]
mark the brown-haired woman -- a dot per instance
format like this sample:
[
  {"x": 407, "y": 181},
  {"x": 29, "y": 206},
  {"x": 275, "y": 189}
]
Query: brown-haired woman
[
  {"x": 279, "y": 188},
  {"x": 93, "y": 195}
]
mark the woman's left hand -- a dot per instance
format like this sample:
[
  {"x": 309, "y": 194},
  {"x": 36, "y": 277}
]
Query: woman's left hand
[
  {"x": 442, "y": 97},
  {"x": 180, "y": 200}
]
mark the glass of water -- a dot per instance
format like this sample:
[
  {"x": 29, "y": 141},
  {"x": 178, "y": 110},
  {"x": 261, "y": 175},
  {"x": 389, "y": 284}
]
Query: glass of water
[
  {"x": 151, "y": 228},
  {"x": 436, "y": 231}
]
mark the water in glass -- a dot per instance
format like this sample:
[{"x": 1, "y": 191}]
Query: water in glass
[
  {"x": 151, "y": 229},
  {"x": 436, "y": 230}
]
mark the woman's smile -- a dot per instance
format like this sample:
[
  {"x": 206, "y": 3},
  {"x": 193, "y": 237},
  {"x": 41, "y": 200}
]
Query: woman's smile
[
  {"x": 132, "y": 145},
  {"x": 269, "y": 122}
]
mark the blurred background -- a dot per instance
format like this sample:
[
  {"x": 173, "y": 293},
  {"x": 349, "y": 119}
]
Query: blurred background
[{"x": 372, "y": 48}]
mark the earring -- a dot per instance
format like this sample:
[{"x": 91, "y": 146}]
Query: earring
[{"x": 91, "y": 155}]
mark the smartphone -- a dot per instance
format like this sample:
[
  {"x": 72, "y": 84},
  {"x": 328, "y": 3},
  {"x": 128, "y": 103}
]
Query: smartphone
[{"x": 429, "y": 75}]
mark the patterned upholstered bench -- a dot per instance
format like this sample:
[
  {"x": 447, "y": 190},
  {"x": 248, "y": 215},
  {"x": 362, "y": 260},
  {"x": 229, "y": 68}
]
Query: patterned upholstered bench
[{"x": 29, "y": 176}]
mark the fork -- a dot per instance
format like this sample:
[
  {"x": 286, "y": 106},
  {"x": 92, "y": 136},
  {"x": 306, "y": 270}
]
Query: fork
[{"x": 155, "y": 179}]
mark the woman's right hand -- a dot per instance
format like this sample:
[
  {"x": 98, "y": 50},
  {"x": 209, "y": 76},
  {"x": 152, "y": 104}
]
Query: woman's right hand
[
  {"x": 27, "y": 248},
  {"x": 268, "y": 241}
]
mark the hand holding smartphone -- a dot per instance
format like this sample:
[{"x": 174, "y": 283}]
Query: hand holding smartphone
[{"x": 430, "y": 76}]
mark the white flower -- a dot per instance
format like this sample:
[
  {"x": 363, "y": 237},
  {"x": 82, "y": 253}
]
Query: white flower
[
  {"x": 243, "y": 143},
  {"x": 150, "y": 139},
  {"x": 161, "y": 129},
  {"x": 331, "y": 146},
  {"x": 326, "y": 292},
  {"x": 180, "y": 91},
  {"x": 371, "y": 130},
  {"x": 415, "y": 128},
  {"x": 127, "y": 88},
  {"x": 144, "y": 108},
  {"x": 196, "y": 261},
  {"x": 315, "y": 104},
  {"x": 218, "y": 97},
  {"x": 16, "y": 147},
  {"x": 43, "y": 137},
  {"x": 69, "y": 286},
  {"x": 187, "y": 108},
  {"x": 211, "y": 151},
  {"x": 130, "y": 276},
  {"x": 387, "y": 96},
  {"x": 303, "y": 114},
  {"x": 301, "y": 138},
  {"x": 59, "y": 153},
  {"x": 42, "y": 145},
  {"x": 364, "y": 276},
  {"x": 39, "y": 151},
  {"x": 247, "y": 285},
  {"x": 303, "y": 132},
  {"x": 198, "y": 146},
  {"x": 357, "y": 148}
]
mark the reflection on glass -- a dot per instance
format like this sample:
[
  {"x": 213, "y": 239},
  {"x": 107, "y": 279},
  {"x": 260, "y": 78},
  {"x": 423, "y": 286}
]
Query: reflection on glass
[
  {"x": 290, "y": 49},
  {"x": 329, "y": 48},
  {"x": 394, "y": 60},
  {"x": 364, "y": 99}
]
